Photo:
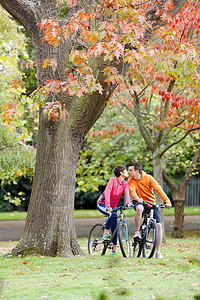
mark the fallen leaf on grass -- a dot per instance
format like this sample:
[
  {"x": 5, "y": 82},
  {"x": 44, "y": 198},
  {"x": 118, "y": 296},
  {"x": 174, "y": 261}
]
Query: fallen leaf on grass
[
  {"x": 195, "y": 284},
  {"x": 25, "y": 262},
  {"x": 167, "y": 275}
]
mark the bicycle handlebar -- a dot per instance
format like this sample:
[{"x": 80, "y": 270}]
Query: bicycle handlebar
[
  {"x": 121, "y": 208},
  {"x": 155, "y": 205}
]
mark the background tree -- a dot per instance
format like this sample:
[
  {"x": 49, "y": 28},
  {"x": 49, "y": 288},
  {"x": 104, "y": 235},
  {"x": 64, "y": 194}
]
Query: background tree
[
  {"x": 98, "y": 39},
  {"x": 179, "y": 192},
  {"x": 17, "y": 158}
]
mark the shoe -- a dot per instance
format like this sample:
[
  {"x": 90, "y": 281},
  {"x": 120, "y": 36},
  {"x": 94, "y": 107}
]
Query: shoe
[
  {"x": 137, "y": 235},
  {"x": 159, "y": 255},
  {"x": 114, "y": 254},
  {"x": 106, "y": 238}
]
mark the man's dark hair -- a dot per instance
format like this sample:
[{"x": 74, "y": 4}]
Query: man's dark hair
[
  {"x": 118, "y": 169},
  {"x": 136, "y": 166}
]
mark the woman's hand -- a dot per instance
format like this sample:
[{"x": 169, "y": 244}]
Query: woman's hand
[{"x": 109, "y": 208}]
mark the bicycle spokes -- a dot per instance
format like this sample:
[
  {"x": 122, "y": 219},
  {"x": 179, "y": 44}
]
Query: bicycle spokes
[
  {"x": 95, "y": 246},
  {"x": 150, "y": 240}
]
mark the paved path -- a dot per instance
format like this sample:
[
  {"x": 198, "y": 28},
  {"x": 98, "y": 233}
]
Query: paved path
[{"x": 12, "y": 230}]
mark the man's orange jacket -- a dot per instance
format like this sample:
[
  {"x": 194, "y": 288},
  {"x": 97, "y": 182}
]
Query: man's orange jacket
[{"x": 143, "y": 188}]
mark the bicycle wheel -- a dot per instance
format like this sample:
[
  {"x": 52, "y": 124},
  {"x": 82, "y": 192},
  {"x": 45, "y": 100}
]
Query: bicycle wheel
[
  {"x": 150, "y": 240},
  {"x": 95, "y": 245},
  {"x": 137, "y": 248},
  {"x": 123, "y": 239}
]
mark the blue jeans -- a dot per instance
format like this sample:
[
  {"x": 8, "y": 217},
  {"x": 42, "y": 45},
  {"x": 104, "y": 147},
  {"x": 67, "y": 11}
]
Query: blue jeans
[{"x": 112, "y": 220}]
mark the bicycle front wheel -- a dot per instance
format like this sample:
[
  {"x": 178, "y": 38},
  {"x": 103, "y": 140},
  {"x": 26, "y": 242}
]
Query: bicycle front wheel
[
  {"x": 123, "y": 239},
  {"x": 95, "y": 245},
  {"x": 150, "y": 240},
  {"x": 137, "y": 248}
]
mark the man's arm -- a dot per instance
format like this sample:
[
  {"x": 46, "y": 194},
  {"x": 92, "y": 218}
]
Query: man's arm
[{"x": 159, "y": 190}]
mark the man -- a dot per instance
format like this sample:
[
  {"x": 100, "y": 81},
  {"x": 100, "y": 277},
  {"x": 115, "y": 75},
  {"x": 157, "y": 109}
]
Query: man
[{"x": 141, "y": 186}]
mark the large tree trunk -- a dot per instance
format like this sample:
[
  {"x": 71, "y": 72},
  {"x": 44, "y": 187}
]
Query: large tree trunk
[
  {"x": 49, "y": 228},
  {"x": 179, "y": 202}
]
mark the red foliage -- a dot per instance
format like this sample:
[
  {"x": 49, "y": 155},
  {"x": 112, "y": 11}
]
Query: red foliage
[{"x": 115, "y": 129}]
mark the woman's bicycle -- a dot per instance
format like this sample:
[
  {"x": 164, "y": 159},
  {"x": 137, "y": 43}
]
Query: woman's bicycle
[
  {"x": 95, "y": 245},
  {"x": 148, "y": 231}
]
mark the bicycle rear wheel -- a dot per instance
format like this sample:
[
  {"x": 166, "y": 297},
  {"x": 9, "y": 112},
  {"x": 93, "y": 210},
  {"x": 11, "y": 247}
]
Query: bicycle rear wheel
[
  {"x": 95, "y": 245},
  {"x": 123, "y": 239},
  {"x": 150, "y": 240}
]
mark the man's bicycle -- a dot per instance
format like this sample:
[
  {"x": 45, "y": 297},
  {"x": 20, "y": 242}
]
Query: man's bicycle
[
  {"x": 148, "y": 231},
  {"x": 95, "y": 245}
]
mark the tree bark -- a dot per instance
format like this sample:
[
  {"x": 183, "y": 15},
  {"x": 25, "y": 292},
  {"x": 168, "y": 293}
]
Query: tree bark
[{"x": 179, "y": 202}]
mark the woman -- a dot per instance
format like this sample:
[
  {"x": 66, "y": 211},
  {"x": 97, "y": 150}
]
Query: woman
[{"x": 109, "y": 199}]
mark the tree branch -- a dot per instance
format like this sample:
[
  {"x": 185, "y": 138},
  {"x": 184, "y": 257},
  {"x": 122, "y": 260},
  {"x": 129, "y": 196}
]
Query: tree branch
[
  {"x": 151, "y": 15},
  {"x": 190, "y": 169},
  {"x": 186, "y": 177},
  {"x": 178, "y": 141},
  {"x": 166, "y": 109},
  {"x": 143, "y": 130},
  {"x": 170, "y": 182},
  {"x": 21, "y": 145},
  {"x": 21, "y": 10}
]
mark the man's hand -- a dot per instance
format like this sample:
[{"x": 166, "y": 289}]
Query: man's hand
[
  {"x": 109, "y": 208},
  {"x": 140, "y": 200},
  {"x": 168, "y": 205},
  {"x": 130, "y": 205}
]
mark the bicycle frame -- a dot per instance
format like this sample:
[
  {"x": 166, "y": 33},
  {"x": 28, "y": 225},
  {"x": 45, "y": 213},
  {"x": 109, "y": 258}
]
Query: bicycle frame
[{"x": 121, "y": 217}]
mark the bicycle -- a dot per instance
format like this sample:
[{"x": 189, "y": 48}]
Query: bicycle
[
  {"x": 95, "y": 245},
  {"x": 149, "y": 233}
]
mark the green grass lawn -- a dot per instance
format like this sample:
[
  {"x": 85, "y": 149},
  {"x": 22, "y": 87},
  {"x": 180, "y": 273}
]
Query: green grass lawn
[
  {"x": 174, "y": 277},
  {"x": 94, "y": 213}
]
